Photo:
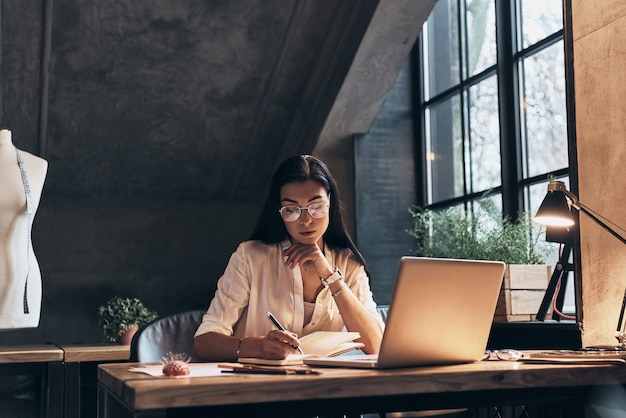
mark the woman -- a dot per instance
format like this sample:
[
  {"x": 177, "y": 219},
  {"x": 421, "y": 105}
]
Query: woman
[{"x": 301, "y": 265}]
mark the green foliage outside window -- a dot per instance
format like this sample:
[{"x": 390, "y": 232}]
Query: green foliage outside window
[{"x": 478, "y": 235}]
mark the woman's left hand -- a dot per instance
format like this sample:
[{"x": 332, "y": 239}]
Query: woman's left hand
[{"x": 308, "y": 256}]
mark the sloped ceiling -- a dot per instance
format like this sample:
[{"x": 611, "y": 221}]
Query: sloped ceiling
[{"x": 187, "y": 98}]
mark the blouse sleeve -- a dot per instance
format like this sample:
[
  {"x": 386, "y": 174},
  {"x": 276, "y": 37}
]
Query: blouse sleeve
[
  {"x": 231, "y": 297},
  {"x": 358, "y": 281}
]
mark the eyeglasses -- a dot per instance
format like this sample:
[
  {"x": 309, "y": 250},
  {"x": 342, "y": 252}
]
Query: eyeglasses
[
  {"x": 506, "y": 354},
  {"x": 292, "y": 213}
]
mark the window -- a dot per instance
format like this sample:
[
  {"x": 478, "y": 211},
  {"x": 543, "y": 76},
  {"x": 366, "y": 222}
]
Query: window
[{"x": 492, "y": 105}]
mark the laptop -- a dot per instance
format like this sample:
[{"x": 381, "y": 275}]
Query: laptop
[{"x": 440, "y": 312}]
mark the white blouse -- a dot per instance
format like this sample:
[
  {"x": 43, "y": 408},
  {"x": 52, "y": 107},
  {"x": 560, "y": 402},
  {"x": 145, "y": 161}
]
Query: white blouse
[{"x": 257, "y": 281}]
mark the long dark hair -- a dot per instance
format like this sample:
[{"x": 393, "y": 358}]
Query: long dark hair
[{"x": 270, "y": 227}]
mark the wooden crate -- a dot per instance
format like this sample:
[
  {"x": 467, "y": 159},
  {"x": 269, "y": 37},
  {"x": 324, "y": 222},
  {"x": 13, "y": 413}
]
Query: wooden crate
[{"x": 522, "y": 291}]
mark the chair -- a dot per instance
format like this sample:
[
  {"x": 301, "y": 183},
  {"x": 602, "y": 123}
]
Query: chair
[
  {"x": 170, "y": 334},
  {"x": 383, "y": 311},
  {"x": 174, "y": 334}
]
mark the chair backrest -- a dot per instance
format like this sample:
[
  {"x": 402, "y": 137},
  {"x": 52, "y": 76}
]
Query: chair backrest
[{"x": 170, "y": 334}]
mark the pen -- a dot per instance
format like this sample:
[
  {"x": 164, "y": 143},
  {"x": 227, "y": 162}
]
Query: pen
[
  {"x": 264, "y": 370},
  {"x": 277, "y": 324}
]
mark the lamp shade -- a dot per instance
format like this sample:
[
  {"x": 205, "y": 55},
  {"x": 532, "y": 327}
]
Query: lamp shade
[{"x": 554, "y": 210}]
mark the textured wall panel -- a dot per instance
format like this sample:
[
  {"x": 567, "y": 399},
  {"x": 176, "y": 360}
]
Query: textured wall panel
[{"x": 599, "y": 59}]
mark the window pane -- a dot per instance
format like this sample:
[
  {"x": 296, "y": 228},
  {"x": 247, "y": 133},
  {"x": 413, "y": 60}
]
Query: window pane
[
  {"x": 483, "y": 207},
  {"x": 463, "y": 133},
  {"x": 481, "y": 35},
  {"x": 445, "y": 150},
  {"x": 484, "y": 136},
  {"x": 545, "y": 111},
  {"x": 539, "y": 19},
  {"x": 442, "y": 48}
]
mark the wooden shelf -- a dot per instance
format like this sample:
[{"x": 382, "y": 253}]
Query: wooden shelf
[
  {"x": 30, "y": 353},
  {"x": 97, "y": 353}
]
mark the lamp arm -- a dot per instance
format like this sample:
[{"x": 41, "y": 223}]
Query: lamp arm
[
  {"x": 584, "y": 209},
  {"x": 559, "y": 186},
  {"x": 620, "y": 333}
]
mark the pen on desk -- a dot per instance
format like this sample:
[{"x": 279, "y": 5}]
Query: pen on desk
[
  {"x": 264, "y": 370},
  {"x": 277, "y": 324}
]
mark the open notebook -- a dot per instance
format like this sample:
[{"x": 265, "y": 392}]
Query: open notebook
[
  {"x": 440, "y": 312},
  {"x": 318, "y": 343}
]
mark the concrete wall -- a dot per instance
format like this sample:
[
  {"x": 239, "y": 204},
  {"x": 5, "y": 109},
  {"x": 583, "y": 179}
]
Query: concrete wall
[
  {"x": 161, "y": 124},
  {"x": 599, "y": 34}
]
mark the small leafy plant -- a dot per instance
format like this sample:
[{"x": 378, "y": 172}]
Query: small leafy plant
[
  {"x": 119, "y": 314},
  {"x": 481, "y": 235}
]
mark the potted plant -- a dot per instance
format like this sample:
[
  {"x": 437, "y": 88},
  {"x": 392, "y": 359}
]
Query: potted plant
[
  {"x": 484, "y": 235},
  {"x": 121, "y": 317}
]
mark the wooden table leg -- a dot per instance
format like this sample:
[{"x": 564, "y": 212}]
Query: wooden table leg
[
  {"x": 53, "y": 391},
  {"x": 72, "y": 390}
]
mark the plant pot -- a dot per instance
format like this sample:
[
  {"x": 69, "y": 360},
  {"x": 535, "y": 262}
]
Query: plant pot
[
  {"x": 127, "y": 337},
  {"x": 522, "y": 291}
]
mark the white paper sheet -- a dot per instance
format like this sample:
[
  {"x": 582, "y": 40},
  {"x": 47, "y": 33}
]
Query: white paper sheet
[{"x": 195, "y": 370}]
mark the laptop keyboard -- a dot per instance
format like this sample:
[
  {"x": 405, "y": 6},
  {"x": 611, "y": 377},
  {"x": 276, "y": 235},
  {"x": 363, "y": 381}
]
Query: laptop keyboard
[{"x": 364, "y": 357}]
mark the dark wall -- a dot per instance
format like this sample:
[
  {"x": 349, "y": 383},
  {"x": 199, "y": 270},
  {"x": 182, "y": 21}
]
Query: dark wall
[
  {"x": 167, "y": 253},
  {"x": 162, "y": 123}
]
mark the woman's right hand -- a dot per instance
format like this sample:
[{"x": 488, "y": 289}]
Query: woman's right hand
[{"x": 277, "y": 344}]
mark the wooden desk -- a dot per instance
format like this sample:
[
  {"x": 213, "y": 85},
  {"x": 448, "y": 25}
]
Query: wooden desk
[
  {"x": 43, "y": 360},
  {"x": 124, "y": 393},
  {"x": 80, "y": 375}
]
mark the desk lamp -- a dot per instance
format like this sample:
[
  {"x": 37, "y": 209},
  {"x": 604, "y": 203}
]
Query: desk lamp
[{"x": 555, "y": 210}]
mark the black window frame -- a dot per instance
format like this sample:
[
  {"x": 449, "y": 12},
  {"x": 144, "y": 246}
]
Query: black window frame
[{"x": 513, "y": 182}]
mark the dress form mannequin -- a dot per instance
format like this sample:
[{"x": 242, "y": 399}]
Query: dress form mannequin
[{"x": 21, "y": 183}]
